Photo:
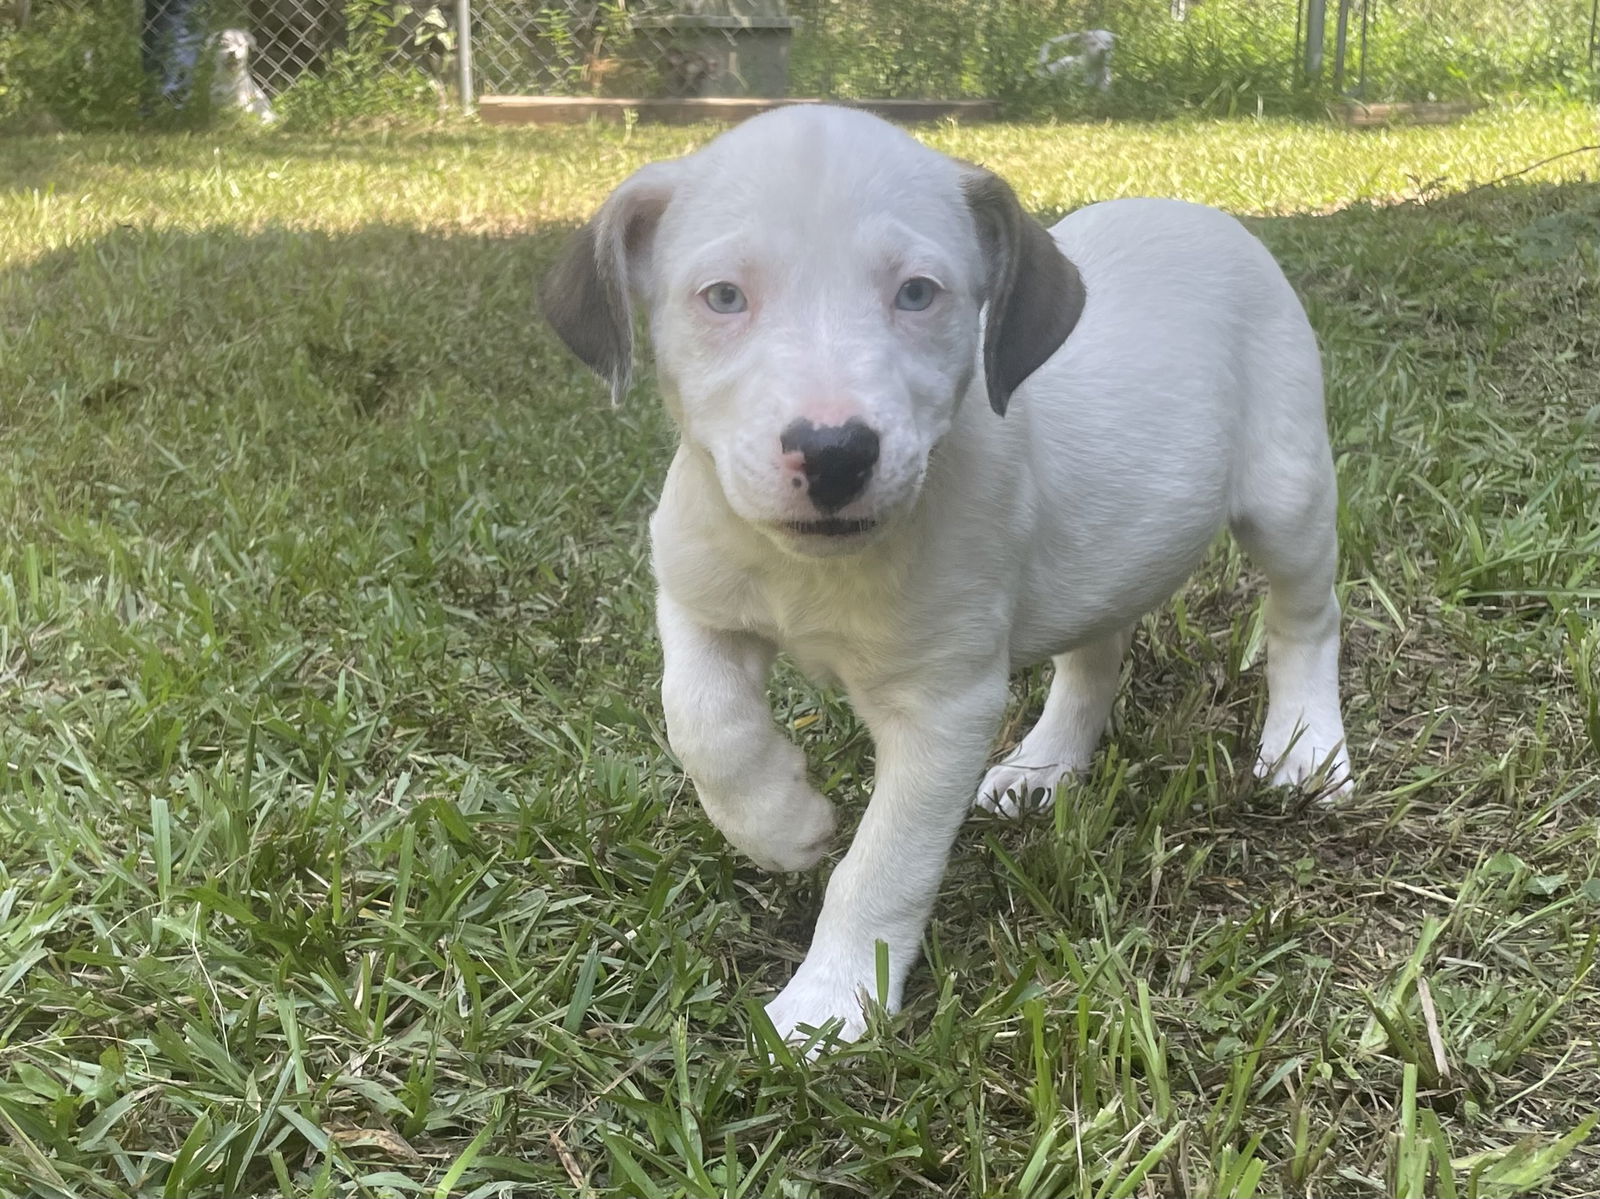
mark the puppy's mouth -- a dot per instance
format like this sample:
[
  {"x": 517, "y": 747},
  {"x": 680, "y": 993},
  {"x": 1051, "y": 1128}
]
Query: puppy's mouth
[{"x": 830, "y": 526}]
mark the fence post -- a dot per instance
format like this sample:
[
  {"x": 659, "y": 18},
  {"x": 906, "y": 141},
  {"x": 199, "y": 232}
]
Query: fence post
[
  {"x": 1361, "y": 83},
  {"x": 464, "y": 54},
  {"x": 1341, "y": 40},
  {"x": 1594, "y": 40},
  {"x": 1316, "y": 22}
]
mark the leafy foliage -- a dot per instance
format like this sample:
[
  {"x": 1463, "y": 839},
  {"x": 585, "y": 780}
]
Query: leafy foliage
[
  {"x": 367, "y": 79},
  {"x": 76, "y": 65},
  {"x": 1225, "y": 57}
]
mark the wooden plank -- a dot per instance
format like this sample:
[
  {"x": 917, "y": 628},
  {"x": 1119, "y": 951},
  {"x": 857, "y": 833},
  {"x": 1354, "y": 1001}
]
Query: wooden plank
[
  {"x": 1420, "y": 112},
  {"x": 563, "y": 110}
]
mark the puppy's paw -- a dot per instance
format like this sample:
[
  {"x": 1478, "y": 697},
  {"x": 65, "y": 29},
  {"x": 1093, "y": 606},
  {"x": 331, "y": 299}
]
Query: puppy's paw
[
  {"x": 1307, "y": 760},
  {"x": 820, "y": 1002},
  {"x": 787, "y": 828},
  {"x": 1011, "y": 789}
]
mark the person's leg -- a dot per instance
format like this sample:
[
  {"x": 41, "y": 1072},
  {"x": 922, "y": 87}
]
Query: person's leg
[{"x": 169, "y": 47}]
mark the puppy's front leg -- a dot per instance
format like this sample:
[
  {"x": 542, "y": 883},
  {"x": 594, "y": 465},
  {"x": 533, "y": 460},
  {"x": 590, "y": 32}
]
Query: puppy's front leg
[
  {"x": 751, "y": 779},
  {"x": 932, "y": 741}
]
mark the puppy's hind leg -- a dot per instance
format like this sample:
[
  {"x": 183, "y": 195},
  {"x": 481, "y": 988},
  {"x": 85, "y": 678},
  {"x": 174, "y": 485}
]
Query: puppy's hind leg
[
  {"x": 1286, "y": 524},
  {"x": 1074, "y": 718}
]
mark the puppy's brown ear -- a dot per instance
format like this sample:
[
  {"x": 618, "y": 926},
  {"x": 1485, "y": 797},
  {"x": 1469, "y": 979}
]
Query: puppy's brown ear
[
  {"x": 1034, "y": 295},
  {"x": 587, "y": 295}
]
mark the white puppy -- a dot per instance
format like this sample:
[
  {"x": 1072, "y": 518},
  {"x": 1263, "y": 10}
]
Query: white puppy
[
  {"x": 896, "y": 465},
  {"x": 1090, "y": 63},
  {"x": 232, "y": 85}
]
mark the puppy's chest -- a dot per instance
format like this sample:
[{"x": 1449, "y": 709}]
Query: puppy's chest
[{"x": 832, "y": 624}]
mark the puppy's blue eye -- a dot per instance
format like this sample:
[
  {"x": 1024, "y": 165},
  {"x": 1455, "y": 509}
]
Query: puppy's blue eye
[
  {"x": 916, "y": 294},
  {"x": 724, "y": 298}
]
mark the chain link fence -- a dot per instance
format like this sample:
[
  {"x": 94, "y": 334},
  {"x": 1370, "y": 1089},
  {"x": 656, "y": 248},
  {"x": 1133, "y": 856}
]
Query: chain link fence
[
  {"x": 634, "y": 48},
  {"x": 101, "y": 61}
]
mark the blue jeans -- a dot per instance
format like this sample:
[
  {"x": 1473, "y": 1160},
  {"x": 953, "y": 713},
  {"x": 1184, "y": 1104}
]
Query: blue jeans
[{"x": 170, "y": 46}]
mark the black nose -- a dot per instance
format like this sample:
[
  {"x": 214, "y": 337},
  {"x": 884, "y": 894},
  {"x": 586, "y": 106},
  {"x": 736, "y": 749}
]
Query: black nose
[{"x": 838, "y": 459}]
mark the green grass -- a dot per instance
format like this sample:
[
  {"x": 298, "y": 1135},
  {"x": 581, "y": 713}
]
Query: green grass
[{"x": 341, "y": 851}]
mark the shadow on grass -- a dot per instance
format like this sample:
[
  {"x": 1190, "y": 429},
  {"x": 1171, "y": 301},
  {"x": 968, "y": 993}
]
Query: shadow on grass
[
  {"x": 202, "y": 313},
  {"x": 153, "y": 300}
]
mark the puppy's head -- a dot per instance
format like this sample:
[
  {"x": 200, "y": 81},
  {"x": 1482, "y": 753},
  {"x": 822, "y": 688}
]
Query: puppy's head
[
  {"x": 1097, "y": 43},
  {"x": 233, "y": 48},
  {"x": 822, "y": 292}
]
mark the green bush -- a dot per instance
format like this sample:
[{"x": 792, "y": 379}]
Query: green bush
[
  {"x": 352, "y": 90},
  {"x": 364, "y": 81},
  {"x": 1421, "y": 49},
  {"x": 1228, "y": 56},
  {"x": 908, "y": 49},
  {"x": 76, "y": 65}
]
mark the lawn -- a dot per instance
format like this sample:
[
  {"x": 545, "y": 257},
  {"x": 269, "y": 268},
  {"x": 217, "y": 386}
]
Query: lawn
[{"x": 341, "y": 851}]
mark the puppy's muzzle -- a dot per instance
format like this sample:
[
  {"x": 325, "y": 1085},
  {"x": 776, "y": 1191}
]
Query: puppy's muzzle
[{"x": 835, "y": 461}]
